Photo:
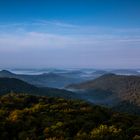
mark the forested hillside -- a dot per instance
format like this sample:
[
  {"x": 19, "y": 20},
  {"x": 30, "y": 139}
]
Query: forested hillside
[
  {"x": 28, "y": 117},
  {"x": 125, "y": 88},
  {"x": 9, "y": 85}
]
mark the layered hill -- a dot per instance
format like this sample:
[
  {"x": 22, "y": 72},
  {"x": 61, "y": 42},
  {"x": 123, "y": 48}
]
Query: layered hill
[
  {"x": 124, "y": 88},
  {"x": 12, "y": 85},
  {"x": 42, "y": 80},
  {"x": 8, "y": 85}
]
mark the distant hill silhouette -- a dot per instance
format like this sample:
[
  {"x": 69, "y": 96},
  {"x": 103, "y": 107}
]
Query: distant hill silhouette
[
  {"x": 5, "y": 73},
  {"x": 8, "y": 85},
  {"x": 125, "y": 72},
  {"x": 12, "y": 85},
  {"x": 42, "y": 80}
]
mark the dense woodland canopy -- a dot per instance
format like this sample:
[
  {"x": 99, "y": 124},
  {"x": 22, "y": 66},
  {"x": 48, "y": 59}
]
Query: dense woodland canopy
[{"x": 28, "y": 117}]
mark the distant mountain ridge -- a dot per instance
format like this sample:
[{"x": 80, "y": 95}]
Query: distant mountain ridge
[
  {"x": 41, "y": 80},
  {"x": 125, "y": 72}
]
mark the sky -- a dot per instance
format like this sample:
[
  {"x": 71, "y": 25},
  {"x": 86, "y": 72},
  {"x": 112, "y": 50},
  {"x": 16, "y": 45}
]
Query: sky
[{"x": 70, "y": 33}]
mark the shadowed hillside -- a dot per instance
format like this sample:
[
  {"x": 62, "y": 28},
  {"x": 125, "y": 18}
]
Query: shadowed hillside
[
  {"x": 12, "y": 85},
  {"x": 124, "y": 87},
  {"x": 120, "y": 92}
]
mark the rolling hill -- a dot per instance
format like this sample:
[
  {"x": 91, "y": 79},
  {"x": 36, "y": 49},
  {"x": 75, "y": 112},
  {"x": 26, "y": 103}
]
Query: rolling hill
[
  {"x": 12, "y": 85},
  {"x": 115, "y": 90},
  {"x": 125, "y": 87},
  {"x": 42, "y": 80},
  {"x": 122, "y": 93}
]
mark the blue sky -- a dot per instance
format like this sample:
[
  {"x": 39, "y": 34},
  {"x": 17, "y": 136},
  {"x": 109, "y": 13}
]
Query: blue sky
[{"x": 70, "y": 33}]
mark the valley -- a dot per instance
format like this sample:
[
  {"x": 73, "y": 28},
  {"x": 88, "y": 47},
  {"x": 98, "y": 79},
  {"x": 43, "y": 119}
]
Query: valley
[{"x": 107, "y": 89}]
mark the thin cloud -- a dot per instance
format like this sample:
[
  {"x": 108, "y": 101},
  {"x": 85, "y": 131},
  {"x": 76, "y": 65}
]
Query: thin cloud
[{"x": 68, "y": 45}]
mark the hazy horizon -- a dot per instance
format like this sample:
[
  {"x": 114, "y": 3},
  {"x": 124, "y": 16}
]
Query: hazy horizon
[{"x": 98, "y": 34}]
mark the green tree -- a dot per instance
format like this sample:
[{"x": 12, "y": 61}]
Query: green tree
[{"x": 104, "y": 132}]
